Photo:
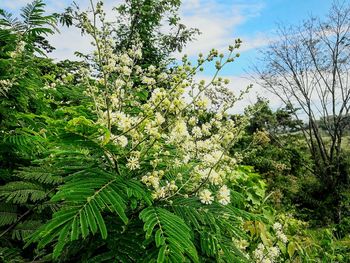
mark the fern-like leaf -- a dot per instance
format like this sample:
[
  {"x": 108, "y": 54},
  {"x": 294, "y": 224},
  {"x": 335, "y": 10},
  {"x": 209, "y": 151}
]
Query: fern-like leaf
[
  {"x": 20, "y": 192},
  {"x": 24, "y": 229},
  {"x": 34, "y": 19},
  {"x": 8, "y": 214},
  {"x": 10, "y": 255},
  {"x": 85, "y": 195},
  {"x": 171, "y": 234}
]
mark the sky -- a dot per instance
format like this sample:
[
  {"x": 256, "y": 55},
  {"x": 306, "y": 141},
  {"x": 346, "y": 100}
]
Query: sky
[{"x": 220, "y": 21}]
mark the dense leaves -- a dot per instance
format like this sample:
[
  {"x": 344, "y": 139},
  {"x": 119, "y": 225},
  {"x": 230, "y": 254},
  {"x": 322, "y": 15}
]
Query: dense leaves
[{"x": 118, "y": 159}]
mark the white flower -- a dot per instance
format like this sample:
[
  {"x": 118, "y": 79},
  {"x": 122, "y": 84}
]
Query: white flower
[
  {"x": 261, "y": 246},
  {"x": 196, "y": 131},
  {"x": 162, "y": 76},
  {"x": 154, "y": 181},
  {"x": 159, "y": 193},
  {"x": 186, "y": 158},
  {"x": 125, "y": 59},
  {"x": 138, "y": 53},
  {"x": 118, "y": 83},
  {"x": 274, "y": 252},
  {"x": 126, "y": 70},
  {"x": 258, "y": 254},
  {"x": 206, "y": 197},
  {"x": 212, "y": 158},
  {"x": 151, "y": 68},
  {"x": 122, "y": 141},
  {"x": 214, "y": 178},
  {"x": 218, "y": 116},
  {"x": 124, "y": 122},
  {"x": 206, "y": 129},
  {"x": 223, "y": 195},
  {"x": 133, "y": 163},
  {"x": 203, "y": 102},
  {"x": 138, "y": 69},
  {"x": 192, "y": 121},
  {"x": 277, "y": 226},
  {"x": 281, "y": 236},
  {"x": 159, "y": 118},
  {"x": 179, "y": 132},
  {"x": 148, "y": 81}
]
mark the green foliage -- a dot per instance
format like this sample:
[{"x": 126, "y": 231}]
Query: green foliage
[
  {"x": 69, "y": 193},
  {"x": 33, "y": 28},
  {"x": 141, "y": 20},
  {"x": 172, "y": 236}
]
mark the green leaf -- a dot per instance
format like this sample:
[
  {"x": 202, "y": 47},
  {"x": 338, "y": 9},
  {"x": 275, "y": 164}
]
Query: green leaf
[
  {"x": 159, "y": 238},
  {"x": 83, "y": 225},
  {"x": 172, "y": 230},
  {"x": 291, "y": 249},
  {"x": 161, "y": 254}
]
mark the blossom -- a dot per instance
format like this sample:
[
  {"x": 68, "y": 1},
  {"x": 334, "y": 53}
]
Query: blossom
[
  {"x": 151, "y": 68},
  {"x": 133, "y": 163},
  {"x": 148, "y": 81},
  {"x": 281, "y": 236},
  {"x": 125, "y": 59},
  {"x": 122, "y": 141},
  {"x": 126, "y": 70},
  {"x": 214, "y": 177},
  {"x": 212, "y": 158},
  {"x": 206, "y": 129},
  {"x": 192, "y": 121},
  {"x": 179, "y": 132},
  {"x": 159, "y": 193},
  {"x": 261, "y": 246},
  {"x": 203, "y": 102},
  {"x": 196, "y": 131},
  {"x": 258, "y": 254},
  {"x": 279, "y": 232},
  {"x": 223, "y": 195},
  {"x": 274, "y": 252},
  {"x": 206, "y": 197},
  {"x": 162, "y": 76},
  {"x": 118, "y": 83},
  {"x": 277, "y": 226},
  {"x": 138, "y": 53},
  {"x": 159, "y": 118},
  {"x": 124, "y": 121}
]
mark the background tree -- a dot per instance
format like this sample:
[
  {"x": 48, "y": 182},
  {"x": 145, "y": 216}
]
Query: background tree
[
  {"x": 147, "y": 21},
  {"x": 154, "y": 24},
  {"x": 308, "y": 68}
]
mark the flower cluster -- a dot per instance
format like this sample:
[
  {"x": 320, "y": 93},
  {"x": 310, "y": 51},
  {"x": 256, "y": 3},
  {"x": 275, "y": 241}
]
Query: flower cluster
[
  {"x": 265, "y": 254},
  {"x": 163, "y": 119},
  {"x": 5, "y": 86},
  {"x": 279, "y": 233}
]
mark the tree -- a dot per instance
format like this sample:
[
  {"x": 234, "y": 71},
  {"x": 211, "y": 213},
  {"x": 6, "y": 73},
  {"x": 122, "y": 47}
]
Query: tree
[
  {"x": 142, "y": 20},
  {"x": 308, "y": 68},
  {"x": 119, "y": 175}
]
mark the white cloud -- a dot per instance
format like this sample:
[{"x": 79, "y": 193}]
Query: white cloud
[
  {"x": 14, "y": 4},
  {"x": 254, "y": 42},
  {"x": 240, "y": 83},
  {"x": 218, "y": 22},
  {"x": 70, "y": 40}
]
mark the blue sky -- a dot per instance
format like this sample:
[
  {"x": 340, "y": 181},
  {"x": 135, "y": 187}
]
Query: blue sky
[{"x": 221, "y": 21}]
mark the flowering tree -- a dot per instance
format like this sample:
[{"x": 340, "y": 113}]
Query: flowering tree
[
  {"x": 149, "y": 153},
  {"x": 136, "y": 167}
]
